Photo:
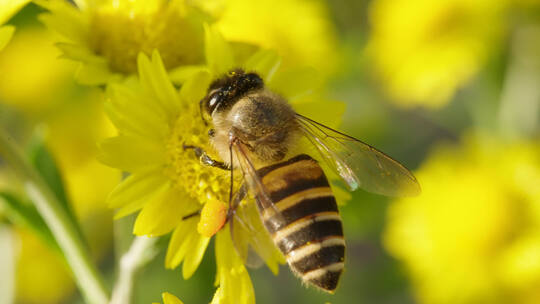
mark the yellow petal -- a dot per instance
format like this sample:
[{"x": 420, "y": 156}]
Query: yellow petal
[
  {"x": 162, "y": 213},
  {"x": 135, "y": 206},
  {"x": 9, "y": 8},
  {"x": 195, "y": 88},
  {"x": 170, "y": 299},
  {"x": 131, "y": 153},
  {"x": 131, "y": 112},
  {"x": 180, "y": 242},
  {"x": 296, "y": 83},
  {"x": 78, "y": 52},
  {"x": 217, "y": 296},
  {"x": 181, "y": 74},
  {"x": 242, "y": 51},
  {"x": 135, "y": 187},
  {"x": 194, "y": 256},
  {"x": 138, "y": 204},
  {"x": 299, "y": 30},
  {"x": 265, "y": 63},
  {"x": 326, "y": 112},
  {"x": 66, "y": 21},
  {"x": 219, "y": 56},
  {"x": 155, "y": 81},
  {"x": 234, "y": 280},
  {"x": 95, "y": 74},
  {"x": 5, "y": 35}
]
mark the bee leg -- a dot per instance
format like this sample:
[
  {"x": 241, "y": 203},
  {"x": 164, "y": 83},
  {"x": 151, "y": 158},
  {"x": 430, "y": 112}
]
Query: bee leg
[
  {"x": 238, "y": 197},
  {"x": 205, "y": 159},
  {"x": 198, "y": 212}
]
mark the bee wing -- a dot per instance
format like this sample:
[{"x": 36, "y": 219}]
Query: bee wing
[
  {"x": 251, "y": 240},
  {"x": 359, "y": 164},
  {"x": 255, "y": 183},
  {"x": 249, "y": 235}
]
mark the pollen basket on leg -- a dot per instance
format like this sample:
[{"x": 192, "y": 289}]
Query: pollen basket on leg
[{"x": 185, "y": 169}]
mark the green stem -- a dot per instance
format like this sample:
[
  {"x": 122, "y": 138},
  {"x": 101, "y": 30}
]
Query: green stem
[
  {"x": 63, "y": 228},
  {"x": 143, "y": 249}
]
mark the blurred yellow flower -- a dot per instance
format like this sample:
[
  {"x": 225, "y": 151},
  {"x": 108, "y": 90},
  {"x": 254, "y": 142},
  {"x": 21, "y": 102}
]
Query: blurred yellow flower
[
  {"x": 7, "y": 10},
  {"x": 42, "y": 276},
  {"x": 426, "y": 50},
  {"x": 106, "y": 36},
  {"x": 71, "y": 118},
  {"x": 33, "y": 79},
  {"x": 474, "y": 234},
  {"x": 300, "y": 30}
]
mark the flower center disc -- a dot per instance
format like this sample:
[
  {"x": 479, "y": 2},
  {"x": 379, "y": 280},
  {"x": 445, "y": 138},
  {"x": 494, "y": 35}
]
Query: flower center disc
[
  {"x": 184, "y": 168},
  {"x": 119, "y": 33}
]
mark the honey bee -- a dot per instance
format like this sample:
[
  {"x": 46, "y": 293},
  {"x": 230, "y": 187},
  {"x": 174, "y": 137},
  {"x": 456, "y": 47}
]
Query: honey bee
[{"x": 254, "y": 130}]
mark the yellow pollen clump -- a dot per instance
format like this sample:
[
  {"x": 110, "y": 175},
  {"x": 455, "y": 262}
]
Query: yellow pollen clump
[
  {"x": 120, "y": 33},
  {"x": 213, "y": 216}
]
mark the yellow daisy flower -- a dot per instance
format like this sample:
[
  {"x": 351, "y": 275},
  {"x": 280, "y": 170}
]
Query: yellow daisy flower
[
  {"x": 106, "y": 36},
  {"x": 286, "y": 26},
  {"x": 169, "y": 183},
  {"x": 33, "y": 79},
  {"x": 426, "y": 50},
  {"x": 474, "y": 234}
]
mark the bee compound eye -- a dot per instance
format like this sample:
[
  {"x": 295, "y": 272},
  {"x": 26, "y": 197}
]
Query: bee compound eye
[{"x": 213, "y": 101}]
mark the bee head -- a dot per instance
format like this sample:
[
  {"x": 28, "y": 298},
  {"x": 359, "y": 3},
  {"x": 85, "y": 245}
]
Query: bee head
[{"x": 227, "y": 90}]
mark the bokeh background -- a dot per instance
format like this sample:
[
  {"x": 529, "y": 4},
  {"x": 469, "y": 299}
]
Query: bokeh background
[{"x": 450, "y": 88}]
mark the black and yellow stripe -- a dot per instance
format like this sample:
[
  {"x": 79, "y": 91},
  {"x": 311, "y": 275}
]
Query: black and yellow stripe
[{"x": 303, "y": 219}]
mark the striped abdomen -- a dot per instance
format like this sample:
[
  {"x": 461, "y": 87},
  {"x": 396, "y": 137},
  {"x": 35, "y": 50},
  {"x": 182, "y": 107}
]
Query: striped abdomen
[{"x": 303, "y": 219}]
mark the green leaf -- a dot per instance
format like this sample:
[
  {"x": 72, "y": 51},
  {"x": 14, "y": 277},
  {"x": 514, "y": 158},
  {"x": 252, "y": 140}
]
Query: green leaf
[
  {"x": 26, "y": 215},
  {"x": 43, "y": 161}
]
